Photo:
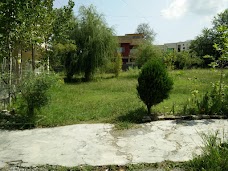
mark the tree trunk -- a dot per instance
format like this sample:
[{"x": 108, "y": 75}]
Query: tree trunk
[
  {"x": 48, "y": 60},
  {"x": 17, "y": 69},
  {"x": 153, "y": 116},
  {"x": 31, "y": 114},
  {"x": 69, "y": 77},
  {"x": 10, "y": 69},
  {"x": 88, "y": 76},
  {"x": 148, "y": 109},
  {"x": 21, "y": 65},
  {"x": 33, "y": 57}
]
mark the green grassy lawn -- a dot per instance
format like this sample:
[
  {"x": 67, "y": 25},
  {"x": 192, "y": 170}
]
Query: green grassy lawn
[{"x": 115, "y": 100}]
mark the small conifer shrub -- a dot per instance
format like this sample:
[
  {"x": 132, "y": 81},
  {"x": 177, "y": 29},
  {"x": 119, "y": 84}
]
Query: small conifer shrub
[{"x": 154, "y": 84}]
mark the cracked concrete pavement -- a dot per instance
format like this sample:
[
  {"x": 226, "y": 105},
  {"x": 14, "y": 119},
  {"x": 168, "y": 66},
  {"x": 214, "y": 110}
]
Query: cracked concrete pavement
[{"x": 101, "y": 144}]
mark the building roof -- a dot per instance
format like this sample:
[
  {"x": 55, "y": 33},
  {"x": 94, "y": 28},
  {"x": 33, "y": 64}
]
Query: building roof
[{"x": 133, "y": 39}]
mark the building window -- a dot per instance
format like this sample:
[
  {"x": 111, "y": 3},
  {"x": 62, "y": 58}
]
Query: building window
[
  {"x": 125, "y": 60},
  {"x": 170, "y": 49},
  {"x": 179, "y": 48},
  {"x": 132, "y": 59},
  {"x": 121, "y": 49},
  {"x": 133, "y": 51},
  {"x": 137, "y": 37}
]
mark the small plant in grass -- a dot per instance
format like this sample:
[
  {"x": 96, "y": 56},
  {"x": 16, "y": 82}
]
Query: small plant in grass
[
  {"x": 154, "y": 84},
  {"x": 34, "y": 93},
  {"x": 132, "y": 72},
  {"x": 214, "y": 155},
  {"x": 118, "y": 64},
  {"x": 213, "y": 102}
]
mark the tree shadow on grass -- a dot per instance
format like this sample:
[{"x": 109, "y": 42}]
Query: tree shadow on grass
[
  {"x": 15, "y": 122},
  {"x": 133, "y": 116},
  {"x": 73, "y": 80},
  {"x": 79, "y": 80}
]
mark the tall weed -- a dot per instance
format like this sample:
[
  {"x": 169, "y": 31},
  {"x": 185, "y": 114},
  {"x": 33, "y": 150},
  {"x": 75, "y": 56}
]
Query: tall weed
[{"x": 214, "y": 155}]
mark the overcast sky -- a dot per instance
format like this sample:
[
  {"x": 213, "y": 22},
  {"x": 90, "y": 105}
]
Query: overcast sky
[{"x": 172, "y": 20}]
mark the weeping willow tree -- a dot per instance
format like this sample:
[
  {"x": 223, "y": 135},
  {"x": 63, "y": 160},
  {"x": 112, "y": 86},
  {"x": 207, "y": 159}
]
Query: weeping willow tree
[{"x": 96, "y": 43}]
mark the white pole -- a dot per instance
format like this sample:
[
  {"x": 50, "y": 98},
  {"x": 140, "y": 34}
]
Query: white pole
[{"x": 48, "y": 63}]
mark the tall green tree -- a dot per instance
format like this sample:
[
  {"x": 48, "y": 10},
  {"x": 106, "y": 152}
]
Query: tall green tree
[
  {"x": 10, "y": 23},
  {"x": 221, "y": 19},
  {"x": 147, "y": 31},
  {"x": 38, "y": 18},
  {"x": 203, "y": 44},
  {"x": 96, "y": 43},
  {"x": 222, "y": 47},
  {"x": 62, "y": 40},
  {"x": 23, "y": 24}
]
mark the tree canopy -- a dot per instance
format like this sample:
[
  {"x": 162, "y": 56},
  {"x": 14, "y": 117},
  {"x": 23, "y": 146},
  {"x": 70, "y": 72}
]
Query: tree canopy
[
  {"x": 145, "y": 52},
  {"x": 147, "y": 31},
  {"x": 62, "y": 41},
  {"x": 81, "y": 44},
  {"x": 221, "y": 19},
  {"x": 24, "y": 23},
  {"x": 96, "y": 43},
  {"x": 203, "y": 43}
]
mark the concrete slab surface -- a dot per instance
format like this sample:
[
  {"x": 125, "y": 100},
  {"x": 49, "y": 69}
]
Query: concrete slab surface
[{"x": 101, "y": 144}]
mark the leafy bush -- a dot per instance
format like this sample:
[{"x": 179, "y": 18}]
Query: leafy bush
[
  {"x": 213, "y": 102},
  {"x": 113, "y": 66},
  {"x": 185, "y": 60},
  {"x": 170, "y": 58},
  {"x": 146, "y": 52},
  {"x": 154, "y": 84},
  {"x": 34, "y": 93},
  {"x": 216, "y": 102},
  {"x": 214, "y": 157},
  {"x": 181, "y": 60},
  {"x": 118, "y": 64}
]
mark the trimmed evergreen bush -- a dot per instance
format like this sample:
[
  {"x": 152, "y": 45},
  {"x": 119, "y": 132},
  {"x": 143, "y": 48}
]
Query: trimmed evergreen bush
[{"x": 154, "y": 84}]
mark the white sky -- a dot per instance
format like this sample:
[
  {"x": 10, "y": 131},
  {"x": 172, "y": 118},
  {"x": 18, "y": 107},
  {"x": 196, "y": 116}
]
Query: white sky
[{"x": 172, "y": 20}]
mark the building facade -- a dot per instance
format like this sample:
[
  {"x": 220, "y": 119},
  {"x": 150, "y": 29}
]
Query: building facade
[
  {"x": 178, "y": 47},
  {"x": 127, "y": 47},
  {"x": 129, "y": 42}
]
